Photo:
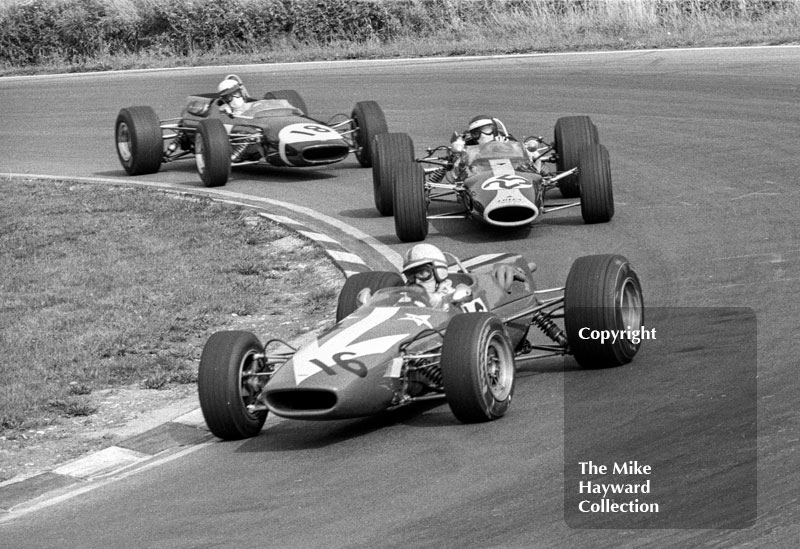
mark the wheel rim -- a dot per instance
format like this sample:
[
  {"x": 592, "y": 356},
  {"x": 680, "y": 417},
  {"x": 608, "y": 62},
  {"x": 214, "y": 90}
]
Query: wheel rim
[
  {"x": 124, "y": 142},
  {"x": 250, "y": 382},
  {"x": 198, "y": 154},
  {"x": 498, "y": 367},
  {"x": 630, "y": 304}
]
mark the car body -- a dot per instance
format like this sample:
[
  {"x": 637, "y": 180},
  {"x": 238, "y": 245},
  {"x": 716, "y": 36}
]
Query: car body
[
  {"x": 502, "y": 183},
  {"x": 391, "y": 346},
  {"x": 275, "y": 130}
]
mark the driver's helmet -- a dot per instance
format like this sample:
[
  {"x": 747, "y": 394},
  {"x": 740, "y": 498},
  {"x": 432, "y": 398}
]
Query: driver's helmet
[
  {"x": 424, "y": 263},
  {"x": 482, "y": 129},
  {"x": 231, "y": 91}
]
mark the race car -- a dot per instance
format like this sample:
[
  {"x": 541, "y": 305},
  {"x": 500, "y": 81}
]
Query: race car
[
  {"x": 275, "y": 130},
  {"x": 391, "y": 346},
  {"x": 502, "y": 183}
]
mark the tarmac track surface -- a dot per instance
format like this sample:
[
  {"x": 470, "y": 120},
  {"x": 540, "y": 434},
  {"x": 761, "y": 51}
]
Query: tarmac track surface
[{"x": 703, "y": 146}]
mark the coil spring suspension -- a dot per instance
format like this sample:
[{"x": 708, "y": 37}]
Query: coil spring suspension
[
  {"x": 237, "y": 152},
  {"x": 437, "y": 175},
  {"x": 432, "y": 374},
  {"x": 549, "y": 328}
]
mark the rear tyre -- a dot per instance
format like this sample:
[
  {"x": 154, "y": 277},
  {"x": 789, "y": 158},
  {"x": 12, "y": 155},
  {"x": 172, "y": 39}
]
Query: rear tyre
[
  {"x": 374, "y": 280},
  {"x": 369, "y": 121},
  {"x": 291, "y": 96},
  {"x": 212, "y": 152},
  {"x": 140, "y": 147},
  {"x": 572, "y": 133},
  {"x": 477, "y": 367},
  {"x": 387, "y": 150},
  {"x": 594, "y": 175},
  {"x": 410, "y": 203},
  {"x": 226, "y": 386},
  {"x": 602, "y": 294}
]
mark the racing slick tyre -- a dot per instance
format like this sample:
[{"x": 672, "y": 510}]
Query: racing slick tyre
[
  {"x": 140, "y": 147},
  {"x": 387, "y": 150},
  {"x": 227, "y": 384},
  {"x": 369, "y": 121},
  {"x": 410, "y": 203},
  {"x": 374, "y": 280},
  {"x": 594, "y": 175},
  {"x": 572, "y": 133},
  {"x": 212, "y": 152},
  {"x": 291, "y": 96},
  {"x": 477, "y": 367},
  {"x": 602, "y": 296}
]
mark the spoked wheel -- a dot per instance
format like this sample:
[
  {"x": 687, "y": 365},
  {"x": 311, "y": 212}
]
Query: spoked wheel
[
  {"x": 228, "y": 382},
  {"x": 140, "y": 146},
  {"x": 477, "y": 367},
  {"x": 603, "y": 295}
]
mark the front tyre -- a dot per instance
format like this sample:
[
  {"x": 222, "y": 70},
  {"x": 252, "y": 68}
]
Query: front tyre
[
  {"x": 594, "y": 175},
  {"x": 369, "y": 121},
  {"x": 410, "y": 202},
  {"x": 387, "y": 150},
  {"x": 374, "y": 280},
  {"x": 212, "y": 152},
  {"x": 140, "y": 146},
  {"x": 572, "y": 133},
  {"x": 603, "y": 295},
  {"x": 227, "y": 384},
  {"x": 477, "y": 367}
]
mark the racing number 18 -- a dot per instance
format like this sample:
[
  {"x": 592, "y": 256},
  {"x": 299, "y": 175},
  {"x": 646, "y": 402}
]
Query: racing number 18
[{"x": 312, "y": 130}]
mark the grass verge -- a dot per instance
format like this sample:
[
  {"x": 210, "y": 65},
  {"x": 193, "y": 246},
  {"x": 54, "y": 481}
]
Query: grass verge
[{"x": 105, "y": 286}]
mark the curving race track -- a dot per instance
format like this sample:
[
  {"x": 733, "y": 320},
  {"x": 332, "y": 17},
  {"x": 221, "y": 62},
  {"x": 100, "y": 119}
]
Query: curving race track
[{"x": 703, "y": 146}]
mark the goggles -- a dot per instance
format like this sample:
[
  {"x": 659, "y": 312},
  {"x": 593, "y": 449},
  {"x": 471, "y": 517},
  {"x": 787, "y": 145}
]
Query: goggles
[
  {"x": 423, "y": 273},
  {"x": 485, "y": 130}
]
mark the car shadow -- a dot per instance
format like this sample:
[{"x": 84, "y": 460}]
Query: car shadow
[{"x": 294, "y": 435}]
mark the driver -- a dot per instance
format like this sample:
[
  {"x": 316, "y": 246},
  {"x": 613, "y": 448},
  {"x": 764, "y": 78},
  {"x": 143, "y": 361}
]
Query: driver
[
  {"x": 426, "y": 266},
  {"x": 233, "y": 96}
]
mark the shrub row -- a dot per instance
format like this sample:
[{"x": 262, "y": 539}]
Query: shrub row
[{"x": 37, "y": 31}]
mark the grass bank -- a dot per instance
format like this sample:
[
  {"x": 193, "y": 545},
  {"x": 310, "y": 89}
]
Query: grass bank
[
  {"x": 108, "y": 286},
  {"x": 38, "y": 36}
]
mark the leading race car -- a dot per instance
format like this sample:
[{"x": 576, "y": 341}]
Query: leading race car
[
  {"x": 275, "y": 130},
  {"x": 502, "y": 183},
  {"x": 391, "y": 346}
]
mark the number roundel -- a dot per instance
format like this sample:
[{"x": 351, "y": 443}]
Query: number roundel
[{"x": 506, "y": 183}]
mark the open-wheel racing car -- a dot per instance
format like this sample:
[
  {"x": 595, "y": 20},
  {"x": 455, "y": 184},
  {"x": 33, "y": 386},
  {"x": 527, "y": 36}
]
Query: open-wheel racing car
[
  {"x": 502, "y": 183},
  {"x": 275, "y": 130},
  {"x": 391, "y": 347}
]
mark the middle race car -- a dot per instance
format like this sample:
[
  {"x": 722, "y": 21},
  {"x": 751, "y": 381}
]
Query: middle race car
[
  {"x": 275, "y": 130},
  {"x": 391, "y": 346},
  {"x": 502, "y": 183}
]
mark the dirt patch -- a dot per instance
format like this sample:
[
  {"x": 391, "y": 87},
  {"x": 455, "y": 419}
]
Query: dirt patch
[{"x": 121, "y": 413}]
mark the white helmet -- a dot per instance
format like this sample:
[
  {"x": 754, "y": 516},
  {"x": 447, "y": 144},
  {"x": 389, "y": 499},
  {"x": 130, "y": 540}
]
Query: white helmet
[
  {"x": 229, "y": 86},
  {"x": 426, "y": 254},
  {"x": 479, "y": 126}
]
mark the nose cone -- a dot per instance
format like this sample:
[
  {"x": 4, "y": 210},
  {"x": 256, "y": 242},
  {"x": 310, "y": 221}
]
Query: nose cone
[{"x": 510, "y": 208}]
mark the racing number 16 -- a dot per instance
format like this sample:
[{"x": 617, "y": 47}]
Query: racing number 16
[{"x": 312, "y": 130}]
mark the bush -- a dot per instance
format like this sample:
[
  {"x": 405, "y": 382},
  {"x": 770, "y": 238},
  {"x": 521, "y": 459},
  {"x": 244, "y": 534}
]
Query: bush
[{"x": 71, "y": 31}]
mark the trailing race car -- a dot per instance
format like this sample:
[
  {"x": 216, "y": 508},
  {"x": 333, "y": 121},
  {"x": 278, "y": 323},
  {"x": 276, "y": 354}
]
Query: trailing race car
[
  {"x": 391, "y": 346},
  {"x": 275, "y": 130},
  {"x": 502, "y": 183}
]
